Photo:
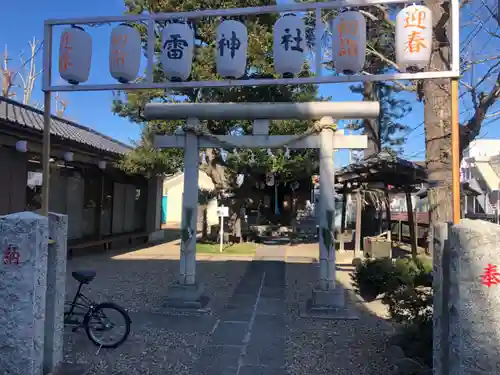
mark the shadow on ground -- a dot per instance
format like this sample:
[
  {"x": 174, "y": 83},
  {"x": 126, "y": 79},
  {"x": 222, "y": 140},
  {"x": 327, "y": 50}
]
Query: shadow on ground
[{"x": 260, "y": 297}]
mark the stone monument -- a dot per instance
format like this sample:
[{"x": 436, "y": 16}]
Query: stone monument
[
  {"x": 56, "y": 292},
  {"x": 473, "y": 297},
  {"x": 23, "y": 284}
]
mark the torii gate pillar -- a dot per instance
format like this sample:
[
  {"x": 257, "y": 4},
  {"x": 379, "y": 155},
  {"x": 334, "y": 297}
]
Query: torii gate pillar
[{"x": 187, "y": 292}]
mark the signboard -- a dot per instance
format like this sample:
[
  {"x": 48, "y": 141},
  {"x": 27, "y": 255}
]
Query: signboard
[{"x": 223, "y": 211}]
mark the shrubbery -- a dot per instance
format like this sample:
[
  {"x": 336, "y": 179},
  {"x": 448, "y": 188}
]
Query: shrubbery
[{"x": 405, "y": 286}]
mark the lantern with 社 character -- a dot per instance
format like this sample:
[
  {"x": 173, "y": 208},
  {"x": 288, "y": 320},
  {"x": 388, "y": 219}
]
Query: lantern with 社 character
[
  {"x": 124, "y": 53},
  {"x": 231, "y": 49},
  {"x": 413, "y": 38},
  {"x": 178, "y": 44},
  {"x": 349, "y": 42},
  {"x": 75, "y": 54},
  {"x": 289, "y": 45}
]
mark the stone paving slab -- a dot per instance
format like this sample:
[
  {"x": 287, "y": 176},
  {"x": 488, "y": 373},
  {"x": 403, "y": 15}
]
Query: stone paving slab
[
  {"x": 228, "y": 333},
  {"x": 259, "y": 370}
]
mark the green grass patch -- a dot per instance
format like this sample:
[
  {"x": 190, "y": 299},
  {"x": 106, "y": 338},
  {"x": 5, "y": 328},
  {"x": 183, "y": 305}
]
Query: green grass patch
[{"x": 245, "y": 248}]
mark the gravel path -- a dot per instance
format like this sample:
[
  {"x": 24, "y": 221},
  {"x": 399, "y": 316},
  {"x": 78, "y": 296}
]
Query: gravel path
[
  {"x": 260, "y": 298},
  {"x": 159, "y": 343},
  {"x": 333, "y": 347}
]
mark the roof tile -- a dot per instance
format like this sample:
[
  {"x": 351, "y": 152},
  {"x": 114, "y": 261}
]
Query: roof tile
[{"x": 29, "y": 117}]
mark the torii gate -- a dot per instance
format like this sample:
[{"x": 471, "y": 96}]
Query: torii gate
[{"x": 187, "y": 292}]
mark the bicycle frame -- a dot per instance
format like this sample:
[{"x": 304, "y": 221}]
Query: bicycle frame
[{"x": 86, "y": 304}]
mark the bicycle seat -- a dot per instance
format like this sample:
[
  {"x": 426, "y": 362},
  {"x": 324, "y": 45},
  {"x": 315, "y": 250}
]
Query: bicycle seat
[{"x": 84, "y": 277}]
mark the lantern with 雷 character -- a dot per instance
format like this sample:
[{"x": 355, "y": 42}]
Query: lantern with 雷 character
[
  {"x": 124, "y": 53},
  {"x": 413, "y": 38},
  {"x": 231, "y": 49},
  {"x": 289, "y": 45},
  {"x": 75, "y": 54},
  {"x": 349, "y": 42},
  {"x": 178, "y": 44}
]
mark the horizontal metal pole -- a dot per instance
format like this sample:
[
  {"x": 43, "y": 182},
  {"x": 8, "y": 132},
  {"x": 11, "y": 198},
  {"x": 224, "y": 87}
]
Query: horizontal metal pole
[
  {"x": 254, "y": 82},
  {"x": 270, "y": 111},
  {"x": 263, "y": 141},
  {"x": 224, "y": 12}
]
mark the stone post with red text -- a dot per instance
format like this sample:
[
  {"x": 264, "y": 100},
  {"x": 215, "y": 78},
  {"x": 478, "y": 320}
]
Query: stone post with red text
[
  {"x": 23, "y": 284},
  {"x": 467, "y": 340}
]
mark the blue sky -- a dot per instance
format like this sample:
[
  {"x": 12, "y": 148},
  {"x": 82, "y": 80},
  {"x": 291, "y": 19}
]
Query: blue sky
[{"x": 23, "y": 19}]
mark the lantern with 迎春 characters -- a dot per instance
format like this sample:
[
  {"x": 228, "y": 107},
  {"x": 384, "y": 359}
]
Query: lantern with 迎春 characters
[
  {"x": 349, "y": 42},
  {"x": 124, "y": 53},
  {"x": 289, "y": 45},
  {"x": 75, "y": 54},
  {"x": 413, "y": 37},
  {"x": 178, "y": 44},
  {"x": 231, "y": 49}
]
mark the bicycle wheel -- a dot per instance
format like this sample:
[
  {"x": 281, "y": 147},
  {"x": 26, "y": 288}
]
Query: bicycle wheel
[{"x": 101, "y": 321}]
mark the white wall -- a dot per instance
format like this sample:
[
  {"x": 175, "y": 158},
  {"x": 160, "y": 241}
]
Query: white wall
[
  {"x": 174, "y": 188},
  {"x": 482, "y": 148}
]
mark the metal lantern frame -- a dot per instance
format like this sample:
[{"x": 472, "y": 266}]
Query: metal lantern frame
[{"x": 151, "y": 19}]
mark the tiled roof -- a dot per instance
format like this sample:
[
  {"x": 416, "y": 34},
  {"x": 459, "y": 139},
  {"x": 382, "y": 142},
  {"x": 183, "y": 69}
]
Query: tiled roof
[{"x": 29, "y": 117}]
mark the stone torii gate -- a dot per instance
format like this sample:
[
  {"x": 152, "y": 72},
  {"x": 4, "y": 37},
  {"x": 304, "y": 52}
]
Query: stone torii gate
[{"x": 187, "y": 291}]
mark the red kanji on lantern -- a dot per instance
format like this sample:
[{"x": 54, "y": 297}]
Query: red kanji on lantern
[
  {"x": 11, "y": 255},
  {"x": 491, "y": 276}
]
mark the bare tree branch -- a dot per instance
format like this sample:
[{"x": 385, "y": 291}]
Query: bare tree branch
[{"x": 472, "y": 127}]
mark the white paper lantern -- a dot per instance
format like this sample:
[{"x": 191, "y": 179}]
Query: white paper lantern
[
  {"x": 124, "y": 53},
  {"x": 240, "y": 179},
  {"x": 349, "y": 42},
  {"x": 22, "y": 146},
  {"x": 231, "y": 49},
  {"x": 269, "y": 179},
  {"x": 177, "y": 58},
  {"x": 101, "y": 164},
  {"x": 68, "y": 156},
  {"x": 289, "y": 45},
  {"x": 75, "y": 55},
  {"x": 413, "y": 37}
]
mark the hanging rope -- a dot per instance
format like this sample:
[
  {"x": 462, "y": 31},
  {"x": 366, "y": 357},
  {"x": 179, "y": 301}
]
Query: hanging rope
[{"x": 201, "y": 131}]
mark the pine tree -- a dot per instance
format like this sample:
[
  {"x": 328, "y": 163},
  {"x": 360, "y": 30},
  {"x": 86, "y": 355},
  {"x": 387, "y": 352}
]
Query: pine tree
[{"x": 218, "y": 165}]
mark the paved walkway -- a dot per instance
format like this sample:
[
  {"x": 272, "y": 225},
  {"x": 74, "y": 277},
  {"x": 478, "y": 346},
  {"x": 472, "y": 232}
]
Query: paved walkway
[{"x": 249, "y": 338}]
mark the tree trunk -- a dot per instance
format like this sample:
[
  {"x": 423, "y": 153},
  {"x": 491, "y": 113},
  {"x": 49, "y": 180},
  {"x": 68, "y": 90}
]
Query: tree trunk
[
  {"x": 437, "y": 114},
  {"x": 235, "y": 219},
  {"x": 204, "y": 230},
  {"x": 370, "y": 221},
  {"x": 371, "y": 126}
]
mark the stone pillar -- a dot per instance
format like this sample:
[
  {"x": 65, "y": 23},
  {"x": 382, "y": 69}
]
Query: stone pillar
[
  {"x": 326, "y": 296},
  {"x": 56, "y": 292},
  {"x": 474, "y": 297},
  {"x": 441, "y": 289},
  {"x": 23, "y": 284},
  {"x": 187, "y": 292},
  {"x": 326, "y": 210}
]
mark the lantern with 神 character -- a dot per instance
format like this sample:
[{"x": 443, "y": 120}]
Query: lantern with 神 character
[
  {"x": 75, "y": 54},
  {"x": 124, "y": 53},
  {"x": 178, "y": 44},
  {"x": 413, "y": 37},
  {"x": 231, "y": 49},
  {"x": 289, "y": 45},
  {"x": 349, "y": 42}
]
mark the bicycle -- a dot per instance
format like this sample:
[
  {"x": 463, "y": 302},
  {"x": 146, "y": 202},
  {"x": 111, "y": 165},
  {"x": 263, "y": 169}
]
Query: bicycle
[{"x": 81, "y": 312}]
